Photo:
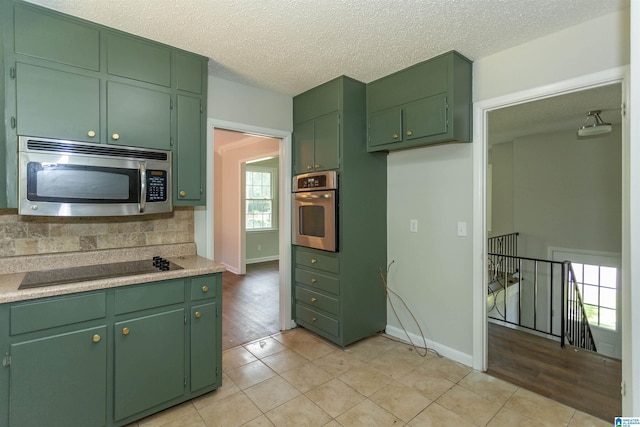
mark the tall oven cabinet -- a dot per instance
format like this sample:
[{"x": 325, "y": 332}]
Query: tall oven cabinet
[{"x": 340, "y": 295}]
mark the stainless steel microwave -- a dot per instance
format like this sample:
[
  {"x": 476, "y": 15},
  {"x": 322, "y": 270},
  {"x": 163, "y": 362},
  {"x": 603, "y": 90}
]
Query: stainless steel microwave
[{"x": 67, "y": 178}]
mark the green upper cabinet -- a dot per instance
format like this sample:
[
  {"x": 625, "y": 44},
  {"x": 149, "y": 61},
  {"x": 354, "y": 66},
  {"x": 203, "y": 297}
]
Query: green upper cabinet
[
  {"x": 54, "y": 38},
  {"x": 316, "y": 128},
  {"x": 57, "y": 103},
  {"x": 428, "y": 103},
  {"x": 138, "y": 116},
  {"x": 138, "y": 60},
  {"x": 67, "y": 78}
]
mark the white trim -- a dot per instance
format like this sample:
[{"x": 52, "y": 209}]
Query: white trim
[
  {"x": 203, "y": 217},
  {"x": 263, "y": 259},
  {"x": 480, "y": 113},
  {"x": 443, "y": 350}
]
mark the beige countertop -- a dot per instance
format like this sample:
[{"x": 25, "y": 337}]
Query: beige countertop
[{"x": 13, "y": 269}]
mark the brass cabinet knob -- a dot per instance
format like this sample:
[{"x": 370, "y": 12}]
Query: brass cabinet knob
[
  {"x": 125, "y": 331},
  {"x": 115, "y": 136},
  {"x": 314, "y": 280},
  {"x": 96, "y": 338},
  {"x": 205, "y": 288},
  {"x": 198, "y": 314},
  {"x": 314, "y": 261},
  {"x": 313, "y": 319},
  {"x": 394, "y": 136},
  {"x": 316, "y": 166},
  {"x": 309, "y": 167},
  {"x": 91, "y": 134},
  {"x": 183, "y": 193},
  {"x": 313, "y": 299},
  {"x": 409, "y": 133}
]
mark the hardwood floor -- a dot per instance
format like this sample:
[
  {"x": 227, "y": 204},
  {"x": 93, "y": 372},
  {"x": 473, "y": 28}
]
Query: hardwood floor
[
  {"x": 581, "y": 379},
  {"x": 250, "y": 304}
]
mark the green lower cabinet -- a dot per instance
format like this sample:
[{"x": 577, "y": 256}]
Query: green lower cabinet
[
  {"x": 59, "y": 380},
  {"x": 204, "y": 348},
  {"x": 149, "y": 362}
]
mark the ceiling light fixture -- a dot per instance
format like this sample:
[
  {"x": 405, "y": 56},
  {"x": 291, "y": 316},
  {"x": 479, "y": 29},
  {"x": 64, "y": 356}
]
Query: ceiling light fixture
[{"x": 598, "y": 126}]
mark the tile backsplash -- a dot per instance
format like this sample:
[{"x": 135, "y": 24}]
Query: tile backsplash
[{"x": 30, "y": 235}]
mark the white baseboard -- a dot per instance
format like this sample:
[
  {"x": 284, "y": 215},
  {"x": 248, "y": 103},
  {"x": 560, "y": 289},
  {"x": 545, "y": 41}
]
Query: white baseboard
[
  {"x": 263, "y": 259},
  {"x": 449, "y": 353},
  {"x": 231, "y": 269}
]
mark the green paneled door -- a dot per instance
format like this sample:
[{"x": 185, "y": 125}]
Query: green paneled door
[
  {"x": 385, "y": 127},
  {"x": 203, "y": 346},
  {"x": 327, "y": 142},
  {"x": 303, "y": 147},
  {"x": 138, "y": 60},
  {"x": 58, "y": 104},
  {"x": 188, "y": 73},
  {"x": 189, "y": 153},
  {"x": 59, "y": 381},
  {"x": 138, "y": 117},
  {"x": 426, "y": 117},
  {"x": 149, "y": 362}
]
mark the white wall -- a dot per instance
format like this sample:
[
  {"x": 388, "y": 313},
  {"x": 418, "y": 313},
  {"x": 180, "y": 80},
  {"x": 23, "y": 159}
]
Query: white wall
[{"x": 434, "y": 267}]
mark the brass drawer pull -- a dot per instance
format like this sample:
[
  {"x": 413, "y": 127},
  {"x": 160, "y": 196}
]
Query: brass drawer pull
[
  {"x": 314, "y": 261},
  {"x": 183, "y": 193},
  {"x": 115, "y": 136},
  {"x": 313, "y": 299},
  {"x": 205, "y": 289},
  {"x": 317, "y": 166},
  {"x": 91, "y": 134},
  {"x": 96, "y": 338},
  {"x": 409, "y": 133},
  {"x": 314, "y": 280},
  {"x": 125, "y": 331},
  {"x": 309, "y": 167},
  {"x": 313, "y": 319},
  {"x": 198, "y": 315},
  {"x": 394, "y": 136}
]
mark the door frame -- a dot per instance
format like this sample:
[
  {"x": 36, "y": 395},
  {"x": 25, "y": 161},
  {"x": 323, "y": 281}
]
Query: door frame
[
  {"x": 480, "y": 153},
  {"x": 203, "y": 215}
]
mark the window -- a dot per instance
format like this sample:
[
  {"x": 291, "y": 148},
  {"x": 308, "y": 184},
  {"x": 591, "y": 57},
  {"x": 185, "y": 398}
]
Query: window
[
  {"x": 260, "y": 198},
  {"x": 598, "y": 286}
]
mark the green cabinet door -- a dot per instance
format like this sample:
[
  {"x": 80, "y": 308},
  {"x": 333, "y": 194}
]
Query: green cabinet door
[
  {"x": 190, "y": 160},
  {"x": 149, "y": 362},
  {"x": 139, "y": 60},
  {"x": 188, "y": 73},
  {"x": 385, "y": 127},
  {"x": 303, "y": 147},
  {"x": 59, "y": 381},
  {"x": 57, "y": 104},
  {"x": 426, "y": 117},
  {"x": 327, "y": 142},
  {"x": 204, "y": 360},
  {"x": 138, "y": 117}
]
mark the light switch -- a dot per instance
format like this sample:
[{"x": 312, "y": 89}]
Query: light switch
[
  {"x": 462, "y": 229},
  {"x": 413, "y": 225}
]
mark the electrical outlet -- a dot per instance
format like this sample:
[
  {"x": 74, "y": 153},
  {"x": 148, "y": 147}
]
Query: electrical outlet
[
  {"x": 413, "y": 225},
  {"x": 462, "y": 229},
  {"x": 259, "y": 248}
]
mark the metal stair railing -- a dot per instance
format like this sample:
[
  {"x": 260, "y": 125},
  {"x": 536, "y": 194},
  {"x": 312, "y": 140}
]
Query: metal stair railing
[{"x": 577, "y": 328}]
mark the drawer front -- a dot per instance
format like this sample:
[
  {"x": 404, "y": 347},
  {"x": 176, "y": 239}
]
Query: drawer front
[
  {"x": 204, "y": 287},
  {"x": 148, "y": 296},
  {"x": 313, "y": 319},
  {"x": 316, "y": 300},
  {"x": 318, "y": 281},
  {"x": 35, "y": 316},
  {"x": 317, "y": 261}
]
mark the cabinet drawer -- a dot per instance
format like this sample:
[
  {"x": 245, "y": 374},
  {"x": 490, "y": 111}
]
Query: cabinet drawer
[
  {"x": 149, "y": 296},
  {"x": 318, "y": 281},
  {"x": 311, "y": 318},
  {"x": 203, "y": 287},
  {"x": 35, "y": 316},
  {"x": 316, "y": 300},
  {"x": 318, "y": 261}
]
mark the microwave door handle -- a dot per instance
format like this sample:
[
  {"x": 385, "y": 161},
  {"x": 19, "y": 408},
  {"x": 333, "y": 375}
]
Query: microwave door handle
[{"x": 143, "y": 187}]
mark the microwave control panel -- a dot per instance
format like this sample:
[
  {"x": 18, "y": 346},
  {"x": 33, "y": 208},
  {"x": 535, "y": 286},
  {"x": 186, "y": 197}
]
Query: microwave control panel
[
  {"x": 315, "y": 181},
  {"x": 157, "y": 185}
]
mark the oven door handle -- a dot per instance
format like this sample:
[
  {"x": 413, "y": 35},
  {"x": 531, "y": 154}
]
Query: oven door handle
[
  {"x": 143, "y": 187},
  {"x": 305, "y": 196}
]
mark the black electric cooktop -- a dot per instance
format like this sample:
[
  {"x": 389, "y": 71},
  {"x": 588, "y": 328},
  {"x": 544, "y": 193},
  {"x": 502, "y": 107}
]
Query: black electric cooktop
[{"x": 59, "y": 276}]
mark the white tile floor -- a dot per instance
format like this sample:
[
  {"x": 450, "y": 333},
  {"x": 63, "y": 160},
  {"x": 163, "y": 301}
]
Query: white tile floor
[{"x": 296, "y": 379}]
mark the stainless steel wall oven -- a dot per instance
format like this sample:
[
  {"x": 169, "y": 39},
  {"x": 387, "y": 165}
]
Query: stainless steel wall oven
[{"x": 315, "y": 210}]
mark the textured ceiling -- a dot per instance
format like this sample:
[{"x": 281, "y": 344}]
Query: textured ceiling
[{"x": 290, "y": 46}]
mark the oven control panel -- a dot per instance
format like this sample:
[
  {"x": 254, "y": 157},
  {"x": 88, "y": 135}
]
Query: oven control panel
[{"x": 315, "y": 181}]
